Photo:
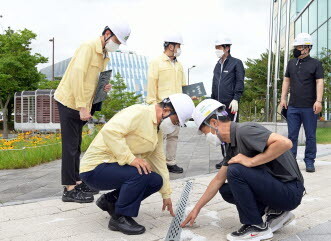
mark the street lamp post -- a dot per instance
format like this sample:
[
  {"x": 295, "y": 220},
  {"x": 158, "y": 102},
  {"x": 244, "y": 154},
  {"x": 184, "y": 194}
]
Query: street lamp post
[
  {"x": 3, "y": 31},
  {"x": 188, "y": 74},
  {"x": 52, "y": 40}
]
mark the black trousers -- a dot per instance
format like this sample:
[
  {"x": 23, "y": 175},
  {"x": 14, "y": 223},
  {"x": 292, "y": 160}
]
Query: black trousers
[
  {"x": 231, "y": 116},
  {"x": 254, "y": 189},
  {"x": 71, "y": 131}
]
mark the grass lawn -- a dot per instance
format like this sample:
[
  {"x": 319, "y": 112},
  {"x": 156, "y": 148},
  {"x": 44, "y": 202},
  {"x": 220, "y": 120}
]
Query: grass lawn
[
  {"x": 29, "y": 150},
  {"x": 323, "y": 135}
]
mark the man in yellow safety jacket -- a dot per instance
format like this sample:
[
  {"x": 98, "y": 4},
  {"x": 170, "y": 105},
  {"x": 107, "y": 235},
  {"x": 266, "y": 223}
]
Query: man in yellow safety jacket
[
  {"x": 75, "y": 95},
  {"x": 166, "y": 77}
]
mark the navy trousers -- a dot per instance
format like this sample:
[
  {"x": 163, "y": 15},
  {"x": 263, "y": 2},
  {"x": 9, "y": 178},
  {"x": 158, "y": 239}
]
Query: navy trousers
[
  {"x": 130, "y": 187},
  {"x": 296, "y": 117},
  {"x": 254, "y": 189}
]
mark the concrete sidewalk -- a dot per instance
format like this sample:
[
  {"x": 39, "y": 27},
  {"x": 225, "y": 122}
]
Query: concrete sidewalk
[
  {"x": 54, "y": 220},
  {"x": 194, "y": 154}
]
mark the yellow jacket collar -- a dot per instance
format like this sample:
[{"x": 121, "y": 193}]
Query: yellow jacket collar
[
  {"x": 152, "y": 108},
  {"x": 165, "y": 57},
  {"x": 98, "y": 46}
]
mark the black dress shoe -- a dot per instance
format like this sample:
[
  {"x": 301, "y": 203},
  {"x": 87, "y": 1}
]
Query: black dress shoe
[
  {"x": 106, "y": 205},
  {"x": 125, "y": 225},
  {"x": 175, "y": 169},
  {"x": 83, "y": 187},
  {"x": 76, "y": 195}
]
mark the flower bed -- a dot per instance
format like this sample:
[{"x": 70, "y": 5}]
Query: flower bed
[{"x": 29, "y": 149}]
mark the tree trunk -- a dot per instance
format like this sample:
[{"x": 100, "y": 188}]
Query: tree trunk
[
  {"x": 5, "y": 118},
  {"x": 5, "y": 123}
]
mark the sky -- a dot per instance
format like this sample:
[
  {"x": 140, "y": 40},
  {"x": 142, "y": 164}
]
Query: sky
[{"x": 72, "y": 22}]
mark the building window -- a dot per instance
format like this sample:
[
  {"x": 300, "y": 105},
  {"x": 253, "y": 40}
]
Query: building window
[
  {"x": 313, "y": 51},
  {"x": 322, "y": 38},
  {"x": 297, "y": 26},
  {"x": 322, "y": 11},
  {"x": 293, "y": 10},
  {"x": 305, "y": 22},
  {"x": 313, "y": 16},
  {"x": 300, "y": 4}
]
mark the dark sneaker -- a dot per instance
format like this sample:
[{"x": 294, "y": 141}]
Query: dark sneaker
[
  {"x": 278, "y": 219},
  {"x": 77, "y": 196},
  {"x": 106, "y": 205},
  {"x": 219, "y": 165},
  {"x": 175, "y": 169},
  {"x": 126, "y": 225},
  {"x": 83, "y": 187},
  {"x": 310, "y": 167},
  {"x": 251, "y": 232}
]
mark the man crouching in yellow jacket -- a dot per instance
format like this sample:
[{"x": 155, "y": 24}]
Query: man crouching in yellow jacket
[{"x": 127, "y": 155}]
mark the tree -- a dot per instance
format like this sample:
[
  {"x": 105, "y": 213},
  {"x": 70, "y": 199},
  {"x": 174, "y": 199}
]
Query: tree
[
  {"x": 325, "y": 58},
  {"x": 45, "y": 84},
  {"x": 255, "y": 93},
  {"x": 118, "y": 98},
  {"x": 18, "y": 69}
]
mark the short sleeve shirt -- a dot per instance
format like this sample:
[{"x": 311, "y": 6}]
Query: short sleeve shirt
[
  {"x": 303, "y": 74},
  {"x": 250, "y": 139}
]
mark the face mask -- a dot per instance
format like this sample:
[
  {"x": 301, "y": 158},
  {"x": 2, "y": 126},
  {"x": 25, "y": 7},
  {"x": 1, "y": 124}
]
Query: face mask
[
  {"x": 213, "y": 139},
  {"x": 219, "y": 53},
  {"x": 296, "y": 53},
  {"x": 111, "y": 46},
  {"x": 178, "y": 52},
  {"x": 167, "y": 126}
]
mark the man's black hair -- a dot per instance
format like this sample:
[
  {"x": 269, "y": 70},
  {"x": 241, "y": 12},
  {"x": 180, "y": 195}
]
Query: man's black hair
[
  {"x": 106, "y": 28},
  {"x": 227, "y": 45},
  {"x": 167, "y": 103},
  {"x": 166, "y": 44}
]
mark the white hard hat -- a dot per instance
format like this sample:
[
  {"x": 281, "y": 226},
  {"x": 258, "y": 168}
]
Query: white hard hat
[
  {"x": 173, "y": 38},
  {"x": 303, "y": 39},
  {"x": 220, "y": 40},
  {"x": 204, "y": 109},
  {"x": 183, "y": 106},
  {"x": 121, "y": 30}
]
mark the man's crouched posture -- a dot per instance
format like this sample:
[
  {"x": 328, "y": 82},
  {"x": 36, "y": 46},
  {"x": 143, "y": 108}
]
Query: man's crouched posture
[
  {"x": 127, "y": 156},
  {"x": 263, "y": 178}
]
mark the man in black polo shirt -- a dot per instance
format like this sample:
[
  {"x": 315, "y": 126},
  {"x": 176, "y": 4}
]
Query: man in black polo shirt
[
  {"x": 304, "y": 76},
  {"x": 228, "y": 80},
  {"x": 262, "y": 175}
]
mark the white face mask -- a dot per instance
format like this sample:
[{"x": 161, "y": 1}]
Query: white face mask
[
  {"x": 167, "y": 126},
  {"x": 213, "y": 139},
  {"x": 219, "y": 53},
  {"x": 111, "y": 46},
  {"x": 178, "y": 52}
]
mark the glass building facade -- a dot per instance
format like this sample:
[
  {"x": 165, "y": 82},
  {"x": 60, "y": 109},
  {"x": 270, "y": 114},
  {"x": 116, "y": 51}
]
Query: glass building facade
[
  {"x": 306, "y": 16},
  {"x": 315, "y": 19},
  {"x": 132, "y": 67}
]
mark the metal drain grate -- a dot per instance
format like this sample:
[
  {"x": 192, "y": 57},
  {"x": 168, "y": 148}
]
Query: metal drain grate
[{"x": 175, "y": 229}]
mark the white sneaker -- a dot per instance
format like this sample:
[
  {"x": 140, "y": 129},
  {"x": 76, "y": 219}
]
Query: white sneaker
[
  {"x": 277, "y": 220},
  {"x": 252, "y": 233}
]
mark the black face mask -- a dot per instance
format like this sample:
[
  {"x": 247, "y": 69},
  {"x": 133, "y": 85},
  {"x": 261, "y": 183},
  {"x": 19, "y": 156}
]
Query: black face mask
[{"x": 296, "y": 53}]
